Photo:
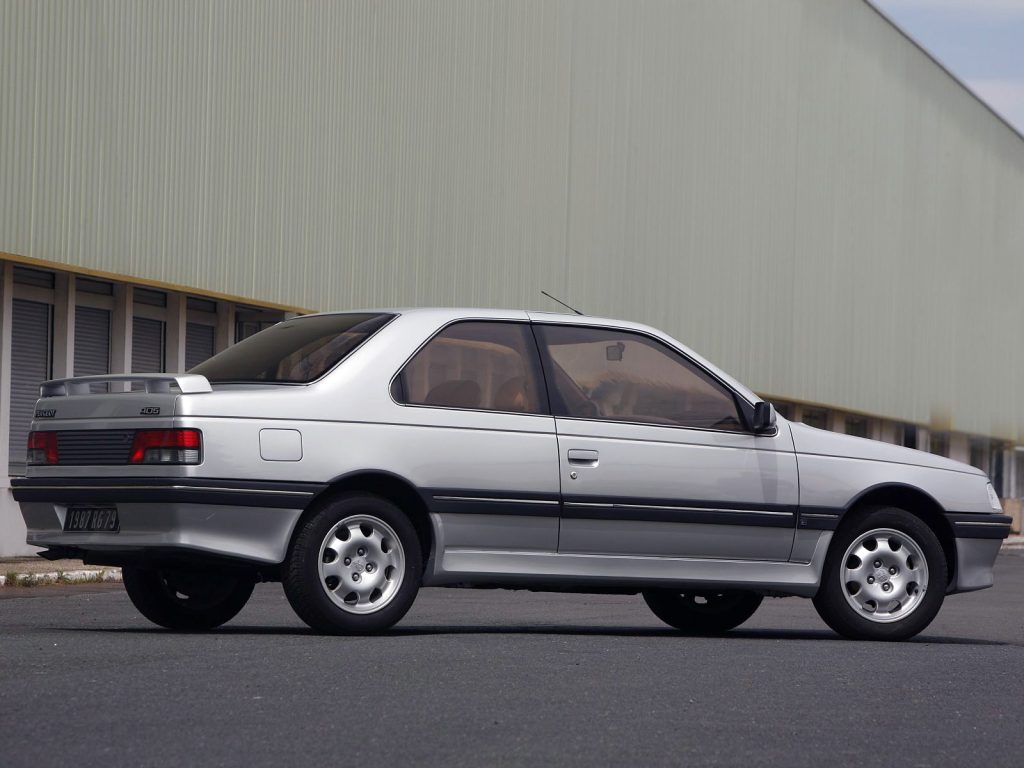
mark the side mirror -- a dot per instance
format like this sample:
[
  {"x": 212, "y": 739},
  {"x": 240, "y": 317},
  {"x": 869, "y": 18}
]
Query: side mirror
[{"x": 764, "y": 417}]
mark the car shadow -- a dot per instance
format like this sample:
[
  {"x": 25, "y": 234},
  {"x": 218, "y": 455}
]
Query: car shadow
[{"x": 818, "y": 635}]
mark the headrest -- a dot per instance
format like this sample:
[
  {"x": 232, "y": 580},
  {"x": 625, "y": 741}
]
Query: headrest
[{"x": 512, "y": 396}]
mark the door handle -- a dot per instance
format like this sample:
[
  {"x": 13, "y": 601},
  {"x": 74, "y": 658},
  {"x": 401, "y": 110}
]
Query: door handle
[{"x": 582, "y": 458}]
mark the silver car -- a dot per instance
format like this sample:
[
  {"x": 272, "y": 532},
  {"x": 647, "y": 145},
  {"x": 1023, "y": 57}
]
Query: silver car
[{"x": 358, "y": 456}]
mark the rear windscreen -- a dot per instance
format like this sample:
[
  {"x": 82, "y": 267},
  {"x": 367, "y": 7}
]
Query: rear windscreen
[{"x": 296, "y": 351}]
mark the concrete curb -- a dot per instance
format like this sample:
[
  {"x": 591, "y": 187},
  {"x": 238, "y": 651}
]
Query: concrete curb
[{"x": 83, "y": 576}]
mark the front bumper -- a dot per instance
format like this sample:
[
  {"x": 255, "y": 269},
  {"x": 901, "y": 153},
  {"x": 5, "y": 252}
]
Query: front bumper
[
  {"x": 978, "y": 540},
  {"x": 974, "y": 561},
  {"x": 163, "y": 517}
]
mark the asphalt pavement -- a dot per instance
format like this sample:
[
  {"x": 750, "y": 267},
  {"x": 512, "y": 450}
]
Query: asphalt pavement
[{"x": 480, "y": 678}]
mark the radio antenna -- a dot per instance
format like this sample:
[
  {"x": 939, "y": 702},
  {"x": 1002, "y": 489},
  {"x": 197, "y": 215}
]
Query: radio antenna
[{"x": 561, "y": 302}]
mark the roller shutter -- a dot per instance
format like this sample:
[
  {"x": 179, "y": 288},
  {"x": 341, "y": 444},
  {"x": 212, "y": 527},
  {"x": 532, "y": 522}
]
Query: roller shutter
[
  {"x": 147, "y": 345},
  {"x": 31, "y": 356},
  {"x": 92, "y": 341},
  {"x": 198, "y": 344}
]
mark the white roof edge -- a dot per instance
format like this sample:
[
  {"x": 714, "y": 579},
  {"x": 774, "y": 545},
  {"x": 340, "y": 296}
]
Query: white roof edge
[{"x": 486, "y": 312}]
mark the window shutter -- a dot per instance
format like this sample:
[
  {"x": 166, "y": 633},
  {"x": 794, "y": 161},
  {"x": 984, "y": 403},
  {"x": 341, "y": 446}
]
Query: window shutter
[
  {"x": 198, "y": 344},
  {"x": 31, "y": 357},
  {"x": 147, "y": 345},
  {"x": 92, "y": 341}
]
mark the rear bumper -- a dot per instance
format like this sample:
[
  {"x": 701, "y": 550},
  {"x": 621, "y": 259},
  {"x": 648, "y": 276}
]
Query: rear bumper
[
  {"x": 164, "y": 490},
  {"x": 163, "y": 517}
]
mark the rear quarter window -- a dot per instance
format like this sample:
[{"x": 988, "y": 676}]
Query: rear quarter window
[{"x": 476, "y": 365}]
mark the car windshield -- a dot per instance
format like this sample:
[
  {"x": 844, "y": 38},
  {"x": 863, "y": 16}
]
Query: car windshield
[{"x": 296, "y": 351}]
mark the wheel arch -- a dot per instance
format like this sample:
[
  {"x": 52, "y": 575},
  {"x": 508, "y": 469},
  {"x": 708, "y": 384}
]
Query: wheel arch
[
  {"x": 917, "y": 502},
  {"x": 395, "y": 488}
]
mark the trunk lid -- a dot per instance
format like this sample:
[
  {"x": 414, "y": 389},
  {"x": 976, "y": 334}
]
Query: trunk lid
[
  {"x": 129, "y": 396},
  {"x": 96, "y": 428}
]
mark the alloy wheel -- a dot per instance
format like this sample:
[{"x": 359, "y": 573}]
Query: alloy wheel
[
  {"x": 362, "y": 564},
  {"x": 885, "y": 575}
]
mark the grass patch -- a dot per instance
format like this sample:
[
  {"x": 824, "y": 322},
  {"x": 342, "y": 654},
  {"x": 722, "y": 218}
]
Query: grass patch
[{"x": 50, "y": 578}]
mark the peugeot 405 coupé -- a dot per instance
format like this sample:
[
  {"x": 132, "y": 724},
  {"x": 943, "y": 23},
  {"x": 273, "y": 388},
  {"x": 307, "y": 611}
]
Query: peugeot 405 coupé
[{"x": 358, "y": 456}]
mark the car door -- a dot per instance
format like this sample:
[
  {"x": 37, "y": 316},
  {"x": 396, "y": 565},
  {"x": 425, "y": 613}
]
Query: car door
[
  {"x": 485, "y": 455},
  {"x": 655, "y": 456}
]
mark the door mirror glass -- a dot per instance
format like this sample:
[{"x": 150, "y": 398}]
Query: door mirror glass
[{"x": 764, "y": 417}]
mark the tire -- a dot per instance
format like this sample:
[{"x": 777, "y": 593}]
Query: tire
[
  {"x": 354, "y": 567},
  {"x": 885, "y": 576},
  {"x": 711, "y": 612},
  {"x": 185, "y": 599}
]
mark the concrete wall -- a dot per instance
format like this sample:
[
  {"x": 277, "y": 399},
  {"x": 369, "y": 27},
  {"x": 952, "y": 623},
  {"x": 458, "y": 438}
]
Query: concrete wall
[{"x": 791, "y": 187}]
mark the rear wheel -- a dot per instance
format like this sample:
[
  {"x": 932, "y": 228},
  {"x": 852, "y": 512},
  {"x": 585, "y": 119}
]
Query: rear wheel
[
  {"x": 709, "y": 612},
  {"x": 884, "y": 578},
  {"x": 354, "y": 567},
  {"x": 187, "y": 599}
]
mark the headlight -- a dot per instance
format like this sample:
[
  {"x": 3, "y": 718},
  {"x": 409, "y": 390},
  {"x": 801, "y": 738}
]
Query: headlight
[{"x": 993, "y": 498}]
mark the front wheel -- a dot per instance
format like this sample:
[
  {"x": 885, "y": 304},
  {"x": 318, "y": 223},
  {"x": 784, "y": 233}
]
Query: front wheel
[
  {"x": 703, "y": 612},
  {"x": 354, "y": 566},
  {"x": 884, "y": 578},
  {"x": 187, "y": 600}
]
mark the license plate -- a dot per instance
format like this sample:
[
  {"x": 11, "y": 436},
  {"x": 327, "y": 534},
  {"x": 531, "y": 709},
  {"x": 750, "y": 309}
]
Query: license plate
[{"x": 92, "y": 519}]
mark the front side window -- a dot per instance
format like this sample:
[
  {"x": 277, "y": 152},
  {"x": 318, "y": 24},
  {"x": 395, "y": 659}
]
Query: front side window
[
  {"x": 489, "y": 366},
  {"x": 613, "y": 375},
  {"x": 296, "y": 351}
]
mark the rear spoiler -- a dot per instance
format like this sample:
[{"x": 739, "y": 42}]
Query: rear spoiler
[{"x": 186, "y": 383}]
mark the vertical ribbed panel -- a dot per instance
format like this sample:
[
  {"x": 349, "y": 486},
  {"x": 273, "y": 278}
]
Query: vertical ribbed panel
[
  {"x": 199, "y": 341},
  {"x": 148, "y": 338},
  {"x": 92, "y": 341},
  {"x": 791, "y": 187},
  {"x": 30, "y": 366}
]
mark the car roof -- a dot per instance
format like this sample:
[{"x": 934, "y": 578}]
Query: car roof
[
  {"x": 466, "y": 313},
  {"x": 442, "y": 315}
]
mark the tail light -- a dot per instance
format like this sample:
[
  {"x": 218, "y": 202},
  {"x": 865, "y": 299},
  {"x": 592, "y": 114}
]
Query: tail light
[
  {"x": 42, "y": 448},
  {"x": 165, "y": 446}
]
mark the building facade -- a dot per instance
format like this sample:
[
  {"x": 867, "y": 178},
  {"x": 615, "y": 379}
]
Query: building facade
[{"x": 793, "y": 188}]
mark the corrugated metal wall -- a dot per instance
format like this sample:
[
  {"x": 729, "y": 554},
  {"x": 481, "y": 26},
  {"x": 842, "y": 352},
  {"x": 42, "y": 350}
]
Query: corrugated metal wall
[{"x": 791, "y": 187}]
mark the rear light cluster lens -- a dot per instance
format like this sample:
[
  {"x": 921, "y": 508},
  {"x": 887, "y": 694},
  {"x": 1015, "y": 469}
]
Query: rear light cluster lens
[
  {"x": 149, "y": 446},
  {"x": 42, "y": 448},
  {"x": 167, "y": 446}
]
